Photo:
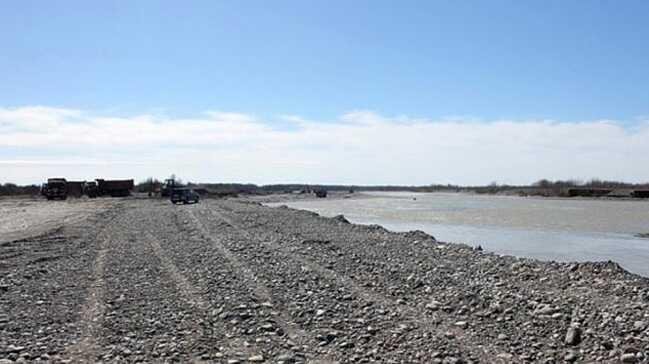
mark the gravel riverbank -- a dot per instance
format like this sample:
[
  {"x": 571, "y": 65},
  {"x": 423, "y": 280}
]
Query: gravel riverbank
[{"x": 231, "y": 281}]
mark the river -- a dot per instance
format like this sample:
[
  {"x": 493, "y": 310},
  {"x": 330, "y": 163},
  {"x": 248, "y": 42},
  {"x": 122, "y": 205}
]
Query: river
[{"x": 547, "y": 229}]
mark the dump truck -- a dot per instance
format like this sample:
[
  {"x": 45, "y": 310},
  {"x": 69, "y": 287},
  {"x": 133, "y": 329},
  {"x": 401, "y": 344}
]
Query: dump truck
[
  {"x": 641, "y": 194},
  {"x": 56, "y": 188},
  {"x": 75, "y": 188},
  {"x": 114, "y": 188},
  {"x": 90, "y": 189}
]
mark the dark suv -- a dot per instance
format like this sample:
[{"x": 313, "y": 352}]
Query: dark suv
[{"x": 184, "y": 195}]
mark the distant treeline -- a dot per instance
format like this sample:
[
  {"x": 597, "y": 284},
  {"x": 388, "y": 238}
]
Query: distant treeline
[
  {"x": 543, "y": 187},
  {"x": 289, "y": 188},
  {"x": 10, "y": 189}
]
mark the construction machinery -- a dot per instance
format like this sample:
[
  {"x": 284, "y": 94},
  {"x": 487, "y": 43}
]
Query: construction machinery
[
  {"x": 114, "y": 188},
  {"x": 169, "y": 185},
  {"x": 56, "y": 188}
]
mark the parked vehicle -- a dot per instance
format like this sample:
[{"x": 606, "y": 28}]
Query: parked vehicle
[
  {"x": 184, "y": 196},
  {"x": 169, "y": 185},
  {"x": 90, "y": 189},
  {"x": 56, "y": 188},
  {"x": 75, "y": 188},
  {"x": 321, "y": 193},
  {"x": 114, "y": 188}
]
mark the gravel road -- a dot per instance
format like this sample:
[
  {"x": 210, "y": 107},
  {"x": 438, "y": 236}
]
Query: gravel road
[{"x": 229, "y": 281}]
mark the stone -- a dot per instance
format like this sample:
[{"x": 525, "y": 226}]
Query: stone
[
  {"x": 14, "y": 349},
  {"x": 544, "y": 310},
  {"x": 639, "y": 325},
  {"x": 462, "y": 324},
  {"x": 628, "y": 358},
  {"x": 286, "y": 358},
  {"x": 341, "y": 218},
  {"x": 570, "y": 356},
  {"x": 573, "y": 336},
  {"x": 256, "y": 359}
]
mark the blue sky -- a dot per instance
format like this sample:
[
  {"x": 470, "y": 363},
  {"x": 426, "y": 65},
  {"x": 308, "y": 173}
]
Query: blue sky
[{"x": 475, "y": 61}]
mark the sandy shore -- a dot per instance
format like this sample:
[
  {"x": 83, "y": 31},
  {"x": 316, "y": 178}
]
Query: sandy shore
[{"x": 229, "y": 281}]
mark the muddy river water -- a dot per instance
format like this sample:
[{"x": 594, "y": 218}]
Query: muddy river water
[{"x": 548, "y": 229}]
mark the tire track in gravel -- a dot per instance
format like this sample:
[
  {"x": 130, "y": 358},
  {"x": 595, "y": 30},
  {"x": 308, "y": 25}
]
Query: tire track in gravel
[
  {"x": 189, "y": 292},
  {"x": 415, "y": 316},
  {"x": 238, "y": 348},
  {"x": 154, "y": 313},
  {"x": 87, "y": 349},
  {"x": 300, "y": 336}
]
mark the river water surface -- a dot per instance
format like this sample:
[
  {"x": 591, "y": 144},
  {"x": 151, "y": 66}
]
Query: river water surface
[{"x": 548, "y": 229}]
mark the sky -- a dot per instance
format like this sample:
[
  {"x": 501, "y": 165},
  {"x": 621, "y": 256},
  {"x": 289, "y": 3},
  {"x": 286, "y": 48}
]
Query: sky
[{"x": 346, "y": 92}]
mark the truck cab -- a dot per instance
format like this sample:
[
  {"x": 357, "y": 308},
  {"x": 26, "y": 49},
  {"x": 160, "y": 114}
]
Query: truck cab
[
  {"x": 184, "y": 196},
  {"x": 56, "y": 188},
  {"x": 90, "y": 189}
]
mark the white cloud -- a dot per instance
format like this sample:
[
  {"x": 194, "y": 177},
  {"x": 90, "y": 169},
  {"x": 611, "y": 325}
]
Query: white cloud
[{"x": 359, "y": 147}]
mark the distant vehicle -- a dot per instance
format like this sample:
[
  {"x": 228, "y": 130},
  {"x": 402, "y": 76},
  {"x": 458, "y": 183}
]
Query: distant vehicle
[
  {"x": 169, "y": 186},
  {"x": 184, "y": 196},
  {"x": 75, "y": 188},
  {"x": 114, "y": 188},
  {"x": 90, "y": 189},
  {"x": 56, "y": 188}
]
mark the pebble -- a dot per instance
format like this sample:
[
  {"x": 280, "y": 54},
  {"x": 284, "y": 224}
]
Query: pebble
[
  {"x": 570, "y": 356},
  {"x": 573, "y": 336},
  {"x": 628, "y": 358},
  {"x": 14, "y": 349},
  {"x": 345, "y": 298},
  {"x": 286, "y": 358}
]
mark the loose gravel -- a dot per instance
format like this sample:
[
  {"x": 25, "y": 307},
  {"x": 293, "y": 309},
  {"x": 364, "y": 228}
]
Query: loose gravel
[{"x": 230, "y": 281}]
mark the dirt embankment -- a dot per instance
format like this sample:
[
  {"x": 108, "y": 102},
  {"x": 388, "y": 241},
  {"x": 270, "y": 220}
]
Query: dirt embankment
[{"x": 228, "y": 281}]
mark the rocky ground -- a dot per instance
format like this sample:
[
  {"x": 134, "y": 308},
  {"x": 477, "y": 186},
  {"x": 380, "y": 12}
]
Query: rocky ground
[{"x": 229, "y": 281}]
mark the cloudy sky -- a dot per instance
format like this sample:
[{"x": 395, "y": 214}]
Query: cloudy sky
[{"x": 362, "y": 92}]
